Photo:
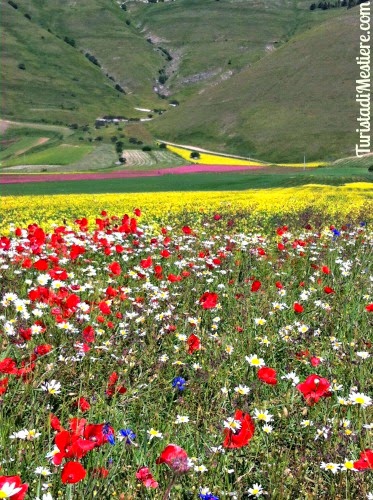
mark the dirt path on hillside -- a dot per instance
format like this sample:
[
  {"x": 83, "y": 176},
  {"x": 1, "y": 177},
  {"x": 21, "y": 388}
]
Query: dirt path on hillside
[
  {"x": 4, "y": 124},
  {"x": 39, "y": 142}
]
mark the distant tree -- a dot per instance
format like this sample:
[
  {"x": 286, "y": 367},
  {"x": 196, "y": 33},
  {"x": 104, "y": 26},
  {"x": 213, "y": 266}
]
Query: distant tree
[
  {"x": 146, "y": 148},
  {"x": 195, "y": 155},
  {"x": 119, "y": 88},
  {"x": 21, "y": 66},
  {"x": 70, "y": 41},
  {"x": 12, "y": 4},
  {"x": 27, "y": 16},
  {"x": 312, "y": 6},
  {"x": 119, "y": 145}
]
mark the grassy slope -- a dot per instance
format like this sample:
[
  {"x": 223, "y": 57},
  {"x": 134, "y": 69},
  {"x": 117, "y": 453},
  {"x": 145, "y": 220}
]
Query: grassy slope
[
  {"x": 299, "y": 99},
  {"x": 59, "y": 83},
  {"x": 99, "y": 27},
  {"x": 219, "y": 37}
]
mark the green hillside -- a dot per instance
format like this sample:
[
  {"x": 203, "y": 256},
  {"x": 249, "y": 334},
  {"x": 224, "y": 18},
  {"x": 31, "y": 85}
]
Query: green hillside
[
  {"x": 45, "y": 78},
  {"x": 212, "y": 40},
  {"x": 299, "y": 99},
  {"x": 263, "y": 78}
]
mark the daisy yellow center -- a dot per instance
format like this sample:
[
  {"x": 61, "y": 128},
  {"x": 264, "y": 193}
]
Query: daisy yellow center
[
  {"x": 3, "y": 494},
  {"x": 255, "y": 491},
  {"x": 360, "y": 400},
  {"x": 255, "y": 361},
  {"x": 349, "y": 465}
]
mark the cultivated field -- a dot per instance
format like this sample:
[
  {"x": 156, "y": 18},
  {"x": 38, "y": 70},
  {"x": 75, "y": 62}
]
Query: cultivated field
[{"x": 186, "y": 346}]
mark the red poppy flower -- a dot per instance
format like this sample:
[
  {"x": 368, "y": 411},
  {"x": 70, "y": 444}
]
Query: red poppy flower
[
  {"x": 55, "y": 423},
  {"x": 365, "y": 461},
  {"x": 175, "y": 457},
  {"x": 8, "y": 365},
  {"x": 208, "y": 300},
  {"x": 217, "y": 217},
  {"x": 3, "y": 385},
  {"x": 14, "y": 482},
  {"x": 172, "y": 278},
  {"x": 137, "y": 212},
  {"x": 115, "y": 268},
  {"x": 145, "y": 263},
  {"x": 42, "y": 349},
  {"x": 82, "y": 404},
  {"x": 328, "y": 290},
  {"x": 315, "y": 361},
  {"x": 186, "y": 230},
  {"x": 267, "y": 375},
  {"x": 298, "y": 308},
  {"x": 314, "y": 388},
  {"x": 89, "y": 334},
  {"x": 104, "y": 307},
  {"x": 194, "y": 343},
  {"x": 325, "y": 270},
  {"x": 369, "y": 307},
  {"x": 146, "y": 477},
  {"x": 41, "y": 265},
  {"x": 243, "y": 435},
  {"x": 73, "y": 472},
  {"x": 256, "y": 286}
]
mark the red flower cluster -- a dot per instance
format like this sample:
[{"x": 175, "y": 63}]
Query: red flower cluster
[
  {"x": 76, "y": 443},
  {"x": 243, "y": 435},
  {"x": 314, "y": 388},
  {"x": 146, "y": 477},
  {"x": 175, "y": 457},
  {"x": 365, "y": 461},
  {"x": 267, "y": 375},
  {"x": 208, "y": 300}
]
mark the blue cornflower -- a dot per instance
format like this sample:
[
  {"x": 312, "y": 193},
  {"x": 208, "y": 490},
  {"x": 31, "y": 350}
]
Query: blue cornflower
[
  {"x": 207, "y": 495},
  {"x": 336, "y": 232},
  {"x": 128, "y": 434},
  {"x": 178, "y": 383},
  {"x": 107, "y": 431},
  {"x": 362, "y": 224}
]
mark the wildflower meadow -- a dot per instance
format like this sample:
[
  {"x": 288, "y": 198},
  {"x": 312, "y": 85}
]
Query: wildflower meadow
[{"x": 187, "y": 346}]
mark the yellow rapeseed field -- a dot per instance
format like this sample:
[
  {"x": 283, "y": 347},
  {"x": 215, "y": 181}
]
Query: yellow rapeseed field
[
  {"x": 216, "y": 159},
  {"x": 209, "y": 158},
  {"x": 338, "y": 203}
]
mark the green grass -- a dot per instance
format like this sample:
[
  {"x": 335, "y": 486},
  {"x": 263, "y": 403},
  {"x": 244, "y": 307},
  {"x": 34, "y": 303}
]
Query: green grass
[
  {"x": 63, "y": 154},
  {"x": 271, "y": 178}
]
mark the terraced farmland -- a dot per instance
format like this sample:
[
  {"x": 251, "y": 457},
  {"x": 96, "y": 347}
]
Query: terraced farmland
[{"x": 143, "y": 160}]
